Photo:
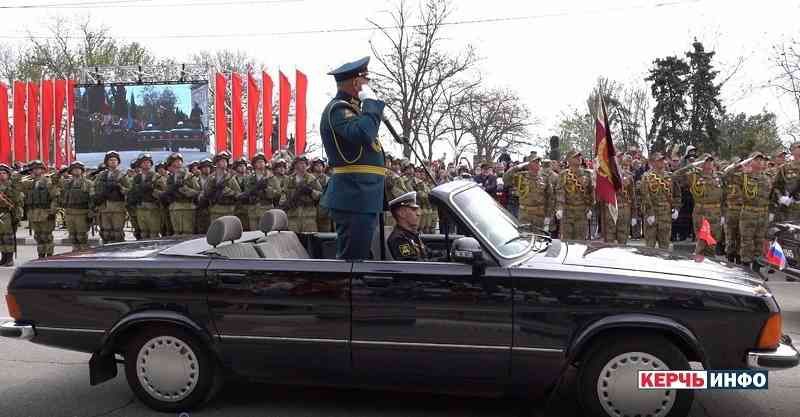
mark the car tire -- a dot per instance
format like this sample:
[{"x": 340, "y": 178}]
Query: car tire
[
  {"x": 612, "y": 362},
  {"x": 170, "y": 370}
]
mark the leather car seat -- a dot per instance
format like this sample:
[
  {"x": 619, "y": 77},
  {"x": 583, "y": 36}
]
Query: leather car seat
[
  {"x": 229, "y": 229},
  {"x": 278, "y": 241}
]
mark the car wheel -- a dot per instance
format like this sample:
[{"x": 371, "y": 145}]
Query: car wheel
[
  {"x": 607, "y": 379},
  {"x": 169, "y": 369}
]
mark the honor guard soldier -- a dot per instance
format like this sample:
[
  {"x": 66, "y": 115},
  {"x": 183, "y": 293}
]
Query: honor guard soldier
[
  {"x": 131, "y": 201},
  {"x": 202, "y": 221},
  {"x": 535, "y": 193},
  {"x": 77, "y": 199},
  {"x": 145, "y": 192},
  {"x": 423, "y": 189},
  {"x": 754, "y": 217},
  {"x": 707, "y": 188},
  {"x": 574, "y": 198},
  {"x": 110, "y": 188},
  {"x": 732, "y": 209},
  {"x": 180, "y": 191},
  {"x": 11, "y": 204},
  {"x": 221, "y": 189},
  {"x": 163, "y": 209},
  {"x": 41, "y": 197},
  {"x": 300, "y": 197},
  {"x": 324, "y": 222},
  {"x": 279, "y": 170},
  {"x": 659, "y": 203},
  {"x": 787, "y": 186},
  {"x": 240, "y": 174},
  {"x": 620, "y": 231},
  {"x": 262, "y": 189},
  {"x": 349, "y": 130},
  {"x": 404, "y": 243}
]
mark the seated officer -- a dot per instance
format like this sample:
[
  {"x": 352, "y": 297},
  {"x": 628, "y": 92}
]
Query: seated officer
[{"x": 404, "y": 242}]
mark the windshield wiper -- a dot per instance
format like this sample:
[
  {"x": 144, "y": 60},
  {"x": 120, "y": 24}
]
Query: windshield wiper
[{"x": 515, "y": 238}]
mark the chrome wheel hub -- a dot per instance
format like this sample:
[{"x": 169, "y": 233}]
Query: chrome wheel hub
[
  {"x": 618, "y": 392},
  {"x": 167, "y": 368}
]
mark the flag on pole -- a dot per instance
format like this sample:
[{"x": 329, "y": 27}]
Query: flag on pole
[
  {"x": 47, "y": 120},
  {"x": 70, "y": 146},
  {"x": 267, "y": 113},
  {"x": 285, "y": 98},
  {"x": 775, "y": 256},
  {"x": 237, "y": 116},
  {"x": 253, "y": 100},
  {"x": 60, "y": 94},
  {"x": 20, "y": 121},
  {"x": 220, "y": 122},
  {"x": 608, "y": 178},
  {"x": 301, "y": 84},
  {"x": 5, "y": 140},
  {"x": 33, "y": 121}
]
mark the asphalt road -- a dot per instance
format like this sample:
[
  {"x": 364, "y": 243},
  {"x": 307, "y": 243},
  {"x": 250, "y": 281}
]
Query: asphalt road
[{"x": 37, "y": 381}]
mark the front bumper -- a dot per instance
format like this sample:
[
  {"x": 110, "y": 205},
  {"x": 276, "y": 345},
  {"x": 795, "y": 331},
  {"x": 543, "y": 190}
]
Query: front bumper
[
  {"x": 12, "y": 329},
  {"x": 783, "y": 357}
]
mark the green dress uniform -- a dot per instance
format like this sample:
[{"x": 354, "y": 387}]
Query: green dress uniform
[
  {"x": 262, "y": 191},
  {"x": 148, "y": 207},
  {"x": 11, "y": 204},
  {"x": 658, "y": 200},
  {"x": 180, "y": 190},
  {"x": 707, "y": 192},
  {"x": 110, "y": 189},
  {"x": 619, "y": 232},
  {"x": 575, "y": 197},
  {"x": 323, "y": 217},
  {"x": 300, "y": 202},
  {"x": 355, "y": 193},
  {"x": 221, "y": 191},
  {"x": 535, "y": 193},
  {"x": 77, "y": 199},
  {"x": 41, "y": 198},
  {"x": 242, "y": 209}
]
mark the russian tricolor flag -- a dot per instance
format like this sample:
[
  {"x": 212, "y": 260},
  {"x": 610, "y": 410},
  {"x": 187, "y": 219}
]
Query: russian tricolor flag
[{"x": 775, "y": 256}]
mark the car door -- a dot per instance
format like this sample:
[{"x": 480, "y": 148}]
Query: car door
[
  {"x": 431, "y": 321},
  {"x": 282, "y": 318}
]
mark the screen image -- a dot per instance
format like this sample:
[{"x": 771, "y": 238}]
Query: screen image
[{"x": 136, "y": 118}]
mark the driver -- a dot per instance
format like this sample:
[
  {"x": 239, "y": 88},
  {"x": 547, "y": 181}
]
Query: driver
[{"x": 404, "y": 242}]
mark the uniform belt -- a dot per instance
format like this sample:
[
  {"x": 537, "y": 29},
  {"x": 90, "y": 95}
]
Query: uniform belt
[
  {"x": 708, "y": 205},
  {"x": 535, "y": 208},
  {"x": 756, "y": 209},
  {"x": 360, "y": 169}
]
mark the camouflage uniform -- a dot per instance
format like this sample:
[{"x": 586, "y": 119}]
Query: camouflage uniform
[
  {"x": 535, "y": 193},
  {"x": 202, "y": 219},
  {"x": 262, "y": 191},
  {"x": 110, "y": 189},
  {"x": 10, "y": 215},
  {"x": 179, "y": 192},
  {"x": 299, "y": 198},
  {"x": 221, "y": 191},
  {"x": 753, "y": 221},
  {"x": 574, "y": 198},
  {"x": 148, "y": 209},
  {"x": 41, "y": 196},
  {"x": 77, "y": 199},
  {"x": 626, "y": 205},
  {"x": 787, "y": 183},
  {"x": 242, "y": 210},
  {"x": 394, "y": 187},
  {"x": 658, "y": 200},
  {"x": 324, "y": 220},
  {"x": 732, "y": 209},
  {"x": 423, "y": 189},
  {"x": 707, "y": 191}
]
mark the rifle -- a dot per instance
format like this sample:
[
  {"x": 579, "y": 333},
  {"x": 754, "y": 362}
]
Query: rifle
[{"x": 291, "y": 202}]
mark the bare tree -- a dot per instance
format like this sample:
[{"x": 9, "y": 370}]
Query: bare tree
[
  {"x": 496, "y": 120},
  {"x": 439, "y": 114},
  {"x": 227, "y": 60},
  {"x": 786, "y": 57},
  {"x": 414, "y": 65},
  {"x": 8, "y": 62}
]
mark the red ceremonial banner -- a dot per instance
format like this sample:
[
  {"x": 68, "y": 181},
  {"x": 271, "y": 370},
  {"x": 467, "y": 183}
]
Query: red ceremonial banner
[
  {"x": 266, "y": 81},
  {"x": 5, "y": 139},
  {"x": 220, "y": 122},
  {"x": 237, "y": 116},
  {"x": 60, "y": 93},
  {"x": 33, "y": 119},
  {"x": 301, "y": 84},
  {"x": 253, "y": 98},
  {"x": 47, "y": 120},
  {"x": 20, "y": 123},
  {"x": 283, "y": 116},
  {"x": 608, "y": 178},
  {"x": 70, "y": 148}
]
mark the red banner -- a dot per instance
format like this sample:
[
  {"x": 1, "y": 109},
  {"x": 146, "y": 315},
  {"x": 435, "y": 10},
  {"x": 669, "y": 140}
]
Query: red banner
[
  {"x": 267, "y": 113},
  {"x": 20, "y": 123},
  {"x": 283, "y": 116},
  {"x": 301, "y": 84},
  {"x": 58, "y": 144},
  {"x": 220, "y": 122},
  {"x": 47, "y": 120},
  {"x": 70, "y": 148},
  {"x": 237, "y": 116},
  {"x": 5, "y": 140},
  {"x": 33, "y": 119},
  {"x": 253, "y": 98},
  {"x": 608, "y": 178}
]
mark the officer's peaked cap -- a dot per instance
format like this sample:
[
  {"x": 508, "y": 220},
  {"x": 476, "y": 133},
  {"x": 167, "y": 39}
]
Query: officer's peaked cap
[
  {"x": 406, "y": 200},
  {"x": 350, "y": 70}
]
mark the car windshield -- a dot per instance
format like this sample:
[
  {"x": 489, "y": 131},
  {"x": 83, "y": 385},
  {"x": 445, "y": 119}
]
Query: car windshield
[{"x": 493, "y": 222}]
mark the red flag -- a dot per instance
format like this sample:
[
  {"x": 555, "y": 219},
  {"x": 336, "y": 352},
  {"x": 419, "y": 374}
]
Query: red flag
[
  {"x": 5, "y": 140},
  {"x": 283, "y": 117},
  {"x": 608, "y": 178},
  {"x": 704, "y": 233},
  {"x": 59, "y": 93},
  {"x": 47, "y": 119},
  {"x": 20, "y": 123},
  {"x": 253, "y": 99},
  {"x": 237, "y": 116},
  {"x": 301, "y": 84},
  {"x": 220, "y": 121},
  {"x": 70, "y": 149},
  {"x": 33, "y": 121},
  {"x": 267, "y": 113}
]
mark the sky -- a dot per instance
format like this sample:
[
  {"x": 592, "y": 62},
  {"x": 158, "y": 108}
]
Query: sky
[{"x": 550, "y": 53}]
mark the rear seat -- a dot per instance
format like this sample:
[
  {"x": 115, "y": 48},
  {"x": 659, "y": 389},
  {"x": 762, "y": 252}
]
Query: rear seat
[
  {"x": 278, "y": 242},
  {"x": 229, "y": 229}
]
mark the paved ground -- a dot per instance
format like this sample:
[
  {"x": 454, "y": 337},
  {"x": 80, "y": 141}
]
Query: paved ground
[{"x": 37, "y": 381}]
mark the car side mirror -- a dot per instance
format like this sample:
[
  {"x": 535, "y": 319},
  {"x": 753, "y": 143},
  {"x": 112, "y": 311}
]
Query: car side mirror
[{"x": 467, "y": 250}]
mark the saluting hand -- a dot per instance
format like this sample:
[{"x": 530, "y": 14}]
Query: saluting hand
[{"x": 367, "y": 93}]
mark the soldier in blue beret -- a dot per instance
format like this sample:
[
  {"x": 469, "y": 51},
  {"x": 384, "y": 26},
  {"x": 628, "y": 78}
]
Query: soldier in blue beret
[{"x": 349, "y": 130}]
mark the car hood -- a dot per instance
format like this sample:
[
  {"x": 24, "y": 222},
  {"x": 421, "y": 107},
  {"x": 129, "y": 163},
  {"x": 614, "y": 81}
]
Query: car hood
[{"x": 633, "y": 258}]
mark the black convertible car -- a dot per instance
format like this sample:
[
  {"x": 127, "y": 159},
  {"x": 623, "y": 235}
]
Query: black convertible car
[{"x": 502, "y": 312}]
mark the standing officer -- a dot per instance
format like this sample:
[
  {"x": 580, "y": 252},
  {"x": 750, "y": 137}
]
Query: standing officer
[
  {"x": 706, "y": 188},
  {"x": 787, "y": 186},
  {"x": 77, "y": 199},
  {"x": 202, "y": 221},
  {"x": 659, "y": 203},
  {"x": 299, "y": 200},
  {"x": 221, "y": 189},
  {"x": 404, "y": 243},
  {"x": 180, "y": 191},
  {"x": 349, "y": 130},
  {"x": 423, "y": 189},
  {"x": 626, "y": 202},
  {"x": 240, "y": 174},
  {"x": 262, "y": 188},
  {"x": 732, "y": 209},
  {"x": 110, "y": 188},
  {"x": 323, "y": 217},
  {"x": 41, "y": 195},
  {"x": 534, "y": 190},
  {"x": 753, "y": 220},
  {"x": 11, "y": 203},
  {"x": 146, "y": 191},
  {"x": 575, "y": 198}
]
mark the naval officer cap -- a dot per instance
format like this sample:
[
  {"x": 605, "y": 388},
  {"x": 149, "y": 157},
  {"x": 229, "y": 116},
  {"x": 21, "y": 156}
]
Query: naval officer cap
[
  {"x": 351, "y": 70},
  {"x": 406, "y": 200}
]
